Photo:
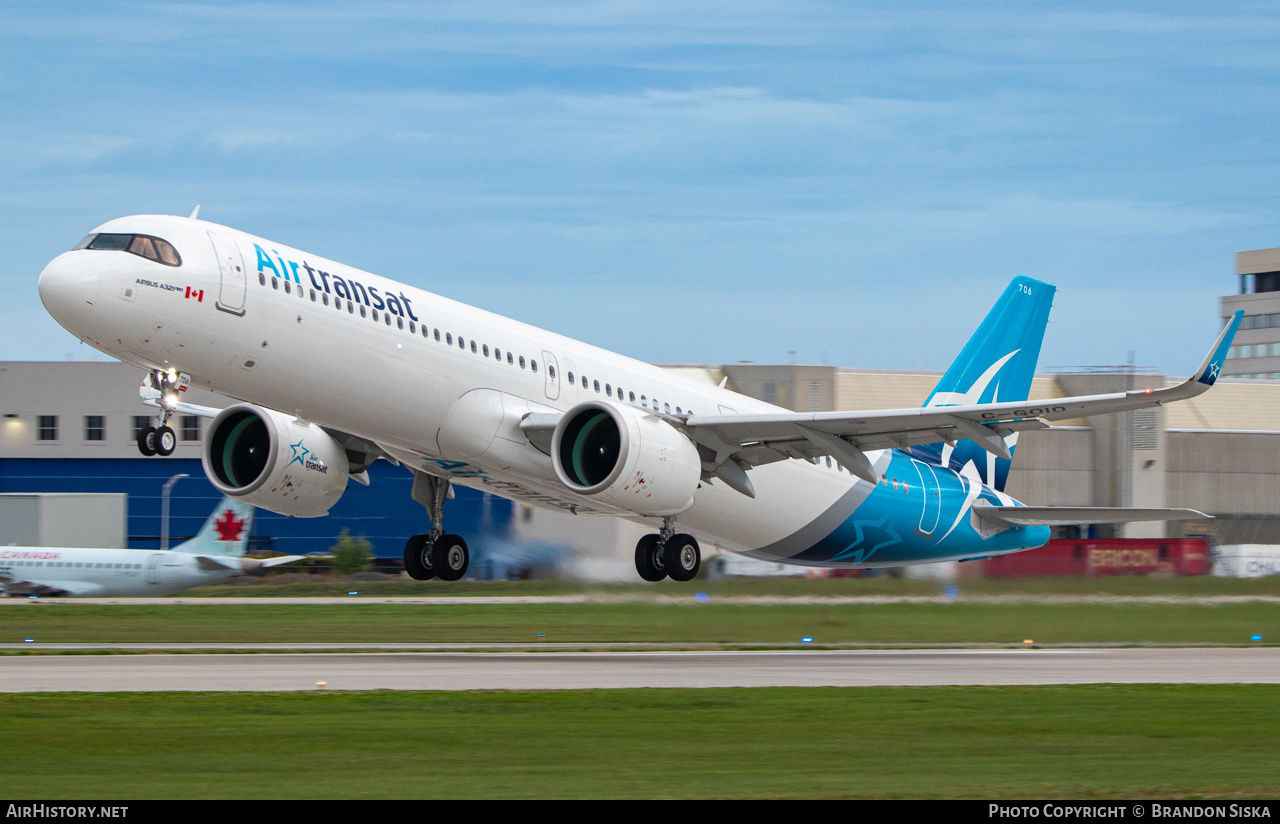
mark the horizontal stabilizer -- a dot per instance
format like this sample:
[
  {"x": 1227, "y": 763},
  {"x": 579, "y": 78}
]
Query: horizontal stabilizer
[
  {"x": 214, "y": 564},
  {"x": 262, "y": 563},
  {"x": 1013, "y": 516}
]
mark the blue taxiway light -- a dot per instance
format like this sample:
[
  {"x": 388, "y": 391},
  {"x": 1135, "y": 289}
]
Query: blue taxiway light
[
  {"x": 808, "y": 639},
  {"x": 1255, "y": 637}
]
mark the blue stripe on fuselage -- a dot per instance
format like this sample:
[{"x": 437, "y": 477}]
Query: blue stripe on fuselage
[{"x": 919, "y": 512}]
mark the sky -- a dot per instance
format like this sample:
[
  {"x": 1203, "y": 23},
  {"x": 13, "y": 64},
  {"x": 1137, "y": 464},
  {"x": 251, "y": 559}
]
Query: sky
[{"x": 681, "y": 182}]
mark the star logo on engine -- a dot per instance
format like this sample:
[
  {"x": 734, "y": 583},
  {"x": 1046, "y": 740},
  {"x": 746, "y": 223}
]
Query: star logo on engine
[
  {"x": 300, "y": 453},
  {"x": 229, "y": 527}
]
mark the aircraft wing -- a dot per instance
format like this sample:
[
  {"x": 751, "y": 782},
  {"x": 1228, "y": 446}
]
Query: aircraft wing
[
  {"x": 741, "y": 442},
  {"x": 20, "y": 587}
]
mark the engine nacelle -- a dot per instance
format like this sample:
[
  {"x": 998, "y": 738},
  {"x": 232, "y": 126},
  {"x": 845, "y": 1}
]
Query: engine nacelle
[
  {"x": 626, "y": 457},
  {"x": 273, "y": 461}
]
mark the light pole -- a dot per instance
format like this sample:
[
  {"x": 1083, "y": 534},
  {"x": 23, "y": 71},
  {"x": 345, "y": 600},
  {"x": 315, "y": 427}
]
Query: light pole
[{"x": 164, "y": 508}]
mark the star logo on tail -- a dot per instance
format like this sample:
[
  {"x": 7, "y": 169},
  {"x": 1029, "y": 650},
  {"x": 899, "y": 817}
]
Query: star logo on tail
[{"x": 229, "y": 527}]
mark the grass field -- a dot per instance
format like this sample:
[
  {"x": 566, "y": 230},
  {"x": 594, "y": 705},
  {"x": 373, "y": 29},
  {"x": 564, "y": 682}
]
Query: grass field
[
  {"x": 1034, "y": 742},
  {"x": 929, "y": 623},
  {"x": 787, "y": 586}
]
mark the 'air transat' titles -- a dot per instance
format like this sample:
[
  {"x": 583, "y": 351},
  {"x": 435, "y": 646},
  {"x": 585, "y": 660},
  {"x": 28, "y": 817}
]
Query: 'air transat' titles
[{"x": 340, "y": 287}]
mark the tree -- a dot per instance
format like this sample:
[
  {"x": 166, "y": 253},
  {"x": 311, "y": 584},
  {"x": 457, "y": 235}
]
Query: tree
[{"x": 351, "y": 555}]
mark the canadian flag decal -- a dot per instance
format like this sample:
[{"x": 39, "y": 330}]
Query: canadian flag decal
[{"x": 198, "y": 294}]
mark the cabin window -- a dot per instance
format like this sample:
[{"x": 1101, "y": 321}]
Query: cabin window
[
  {"x": 644, "y": 401},
  {"x": 288, "y": 290},
  {"x": 448, "y": 338},
  {"x": 496, "y": 354},
  {"x": 325, "y": 298},
  {"x": 666, "y": 407},
  {"x": 412, "y": 327},
  {"x": 533, "y": 365},
  {"x": 485, "y": 349},
  {"x": 570, "y": 377},
  {"x": 275, "y": 284},
  {"x": 386, "y": 317},
  {"x": 522, "y": 361},
  {"x": 596, "y": 384},
  {"x": 400, "y": 323},
  {"x": 313, "y": 295},
  {"x": 375, "y": 314},
  {"x": 473, "y": 346},
  {"x": 437, "y": 334},
  {"x": 509, "y": 360},
  {"x": 262, "y": 279},
  {"x": 584, "y": 381},
  {"x": 631, "y": 396},
  {"x": 363, "y": 312}
]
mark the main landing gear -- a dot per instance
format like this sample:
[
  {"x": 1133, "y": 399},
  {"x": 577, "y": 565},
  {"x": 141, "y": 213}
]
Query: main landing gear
[
  {"x": 668, "y": 554},
  {"x": 434, "y": 554},
  {"x": 161, "y": 440}
]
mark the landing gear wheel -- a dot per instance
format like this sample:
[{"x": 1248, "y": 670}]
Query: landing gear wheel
[
  {"x": 147, "y": 441},
  {"x": 650, "y": 560},
  {"x": 450, "y": 557},
  {"x": 165, "y": 441},
  {"x": 417, "y": 558},
  {"x": 682, "y": 557}
]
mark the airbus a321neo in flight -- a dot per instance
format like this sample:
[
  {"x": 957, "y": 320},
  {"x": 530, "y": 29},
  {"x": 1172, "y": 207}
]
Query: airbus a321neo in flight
[
  {"x": 336, "y": 368},
  {"x": 215, "y": 554}
]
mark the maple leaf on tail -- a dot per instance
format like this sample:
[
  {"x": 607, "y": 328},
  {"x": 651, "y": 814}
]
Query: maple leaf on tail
[{"x": 229, "y": 526}]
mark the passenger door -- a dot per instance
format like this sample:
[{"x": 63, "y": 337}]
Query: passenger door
[{"x": 231, "y": 272}]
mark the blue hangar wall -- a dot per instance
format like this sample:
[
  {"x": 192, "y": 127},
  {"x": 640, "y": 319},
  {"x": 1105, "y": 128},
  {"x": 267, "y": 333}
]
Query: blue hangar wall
[{"x": 383, "y": 511}]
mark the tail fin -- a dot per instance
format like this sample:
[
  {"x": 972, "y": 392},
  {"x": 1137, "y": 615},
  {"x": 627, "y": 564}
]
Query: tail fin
[
  {"x": 997, "y": 364},
  {"x": 226, "y": 532}
]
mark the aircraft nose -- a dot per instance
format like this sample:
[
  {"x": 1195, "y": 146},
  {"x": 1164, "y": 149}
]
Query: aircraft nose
[{"x": 69, "y": 290}]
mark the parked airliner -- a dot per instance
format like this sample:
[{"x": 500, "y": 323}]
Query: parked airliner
[
  {"x": 215, "y": 554},
  {"x": 337, "y": 368}
]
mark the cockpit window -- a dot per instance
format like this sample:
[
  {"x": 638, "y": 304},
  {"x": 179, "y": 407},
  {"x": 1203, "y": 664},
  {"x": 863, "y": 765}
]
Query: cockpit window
[{"x": 151, "y": 248}]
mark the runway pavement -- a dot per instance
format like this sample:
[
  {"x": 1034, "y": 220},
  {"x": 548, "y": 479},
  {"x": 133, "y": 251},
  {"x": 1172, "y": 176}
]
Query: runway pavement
[{"x": 614, "y": 670}]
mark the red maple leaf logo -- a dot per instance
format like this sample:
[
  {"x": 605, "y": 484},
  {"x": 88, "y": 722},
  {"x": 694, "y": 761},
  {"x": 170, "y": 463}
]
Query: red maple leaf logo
[{"x": 229, "y": 526}]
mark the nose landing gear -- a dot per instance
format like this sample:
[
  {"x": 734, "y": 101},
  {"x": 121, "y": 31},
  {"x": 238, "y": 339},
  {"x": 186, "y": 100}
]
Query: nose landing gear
[
  {"x": 668, "y": 554},
  {"x": 162, "y": 387}
]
